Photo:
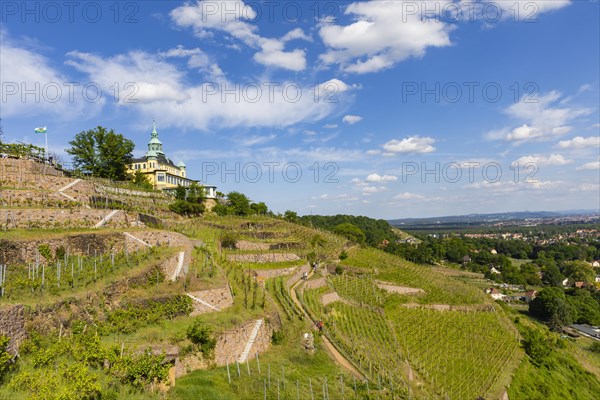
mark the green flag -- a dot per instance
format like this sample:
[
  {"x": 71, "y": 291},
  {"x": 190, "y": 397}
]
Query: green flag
[{"x": 40, "y": 130}]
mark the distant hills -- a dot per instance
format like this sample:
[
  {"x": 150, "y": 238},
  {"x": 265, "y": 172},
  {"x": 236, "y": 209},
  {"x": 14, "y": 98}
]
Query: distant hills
[{"x": 485, "y": 219}]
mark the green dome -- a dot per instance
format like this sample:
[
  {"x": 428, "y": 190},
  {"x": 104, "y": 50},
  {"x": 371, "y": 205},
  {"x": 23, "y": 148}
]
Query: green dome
[{"x": 180, "y": 164}]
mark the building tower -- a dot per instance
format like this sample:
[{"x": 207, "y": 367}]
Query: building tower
[
  {"x": 154, "y": 145},
  {"x": 181, "y": 166}
]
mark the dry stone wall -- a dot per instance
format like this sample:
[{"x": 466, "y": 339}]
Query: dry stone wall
[
  {"x": 12, "y": 324},
  {"x": 63, "y": 218},
  {"x": 220, "y": 298},
  {"x": 22, "y": 252}
]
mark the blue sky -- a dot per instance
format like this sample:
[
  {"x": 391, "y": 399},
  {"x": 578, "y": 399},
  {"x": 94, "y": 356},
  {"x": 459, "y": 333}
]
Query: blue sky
[{"x": 387, "y": 108}]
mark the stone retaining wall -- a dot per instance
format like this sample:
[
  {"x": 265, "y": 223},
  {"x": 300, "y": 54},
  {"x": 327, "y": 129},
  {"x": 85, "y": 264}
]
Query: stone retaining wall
[
  {"x": 12, "y": 324},
  {"x": 220, "y": 298},
  {"x": 264, "y": 258},
  {"x": 23, "y": 252},
  {"x": 63, "y": 218}
]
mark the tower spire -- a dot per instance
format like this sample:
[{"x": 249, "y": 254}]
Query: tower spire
[{"x": 154, "y": 145}]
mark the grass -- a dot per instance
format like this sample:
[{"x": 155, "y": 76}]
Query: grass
[
  {"x": 289, "y": 360},
  {"x": 561, "y": 378}
]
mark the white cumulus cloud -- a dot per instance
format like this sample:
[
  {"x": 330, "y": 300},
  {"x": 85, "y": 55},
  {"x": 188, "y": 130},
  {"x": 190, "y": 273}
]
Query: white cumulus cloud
[
  {"x": 381, "y": 178},
  {"x": 351, "y": 119},
  {"x": 579, "y": 142},
  {"x": 32, "y": 86},
  {"x": 381, "y": 35},
  {"x": 408, "y": 196},
  {"x": 591, "y": 166},
  {"x": 368, "y": 190},
  {"x": 160, "y": 89},
  {"x": 544, "y": 117},
  {"x": 413, "y": 144},
  {"x": 234, "y": 17},
  {"x": 540, "y": 160}
]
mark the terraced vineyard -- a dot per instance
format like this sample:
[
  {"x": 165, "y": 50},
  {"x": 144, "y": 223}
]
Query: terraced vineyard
[
  {"x": 460, "y": 353},
  {"x": 278, "y": 290},
  {"x": 72, "y": 273},
  {"x": 438, "y": 288},
  {"x": 362, "y": 289},
  {"x": 446, "y": 343}
]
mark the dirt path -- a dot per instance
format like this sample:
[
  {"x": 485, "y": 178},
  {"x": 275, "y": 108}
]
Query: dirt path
[{"x": 333, "y": 351}]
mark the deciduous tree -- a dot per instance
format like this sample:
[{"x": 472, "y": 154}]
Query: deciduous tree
[{"x": 102, "y": 153}]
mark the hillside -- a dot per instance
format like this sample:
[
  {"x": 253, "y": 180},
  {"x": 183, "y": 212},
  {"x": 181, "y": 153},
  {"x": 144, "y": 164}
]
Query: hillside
[{"x": 120, "y": 298}]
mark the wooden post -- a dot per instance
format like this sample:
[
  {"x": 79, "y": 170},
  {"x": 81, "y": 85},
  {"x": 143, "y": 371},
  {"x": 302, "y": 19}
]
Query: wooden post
[{"x": 228, "y": 374}]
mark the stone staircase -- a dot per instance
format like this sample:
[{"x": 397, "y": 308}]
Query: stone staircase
[
  {"x": 244, "y": 356},
  {"x": 107, "y": 218},
  {"x": 204, "y": 303}
]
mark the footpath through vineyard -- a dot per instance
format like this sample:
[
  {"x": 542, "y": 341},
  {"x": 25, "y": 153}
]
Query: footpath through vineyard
[{"x": 338, "y": 357}]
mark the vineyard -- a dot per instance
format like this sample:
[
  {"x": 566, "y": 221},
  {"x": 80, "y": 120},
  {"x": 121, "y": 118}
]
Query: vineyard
[
  {"x": 276, "y": 287},
  {"x": 446, "y": 343},
  {"x": 65, "y": 273},
  {"x": 361, "y": 289},
  {"x": 438, "y": 288}
]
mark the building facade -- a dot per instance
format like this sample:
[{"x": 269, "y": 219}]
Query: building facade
[{"x": 162, "y": 172}]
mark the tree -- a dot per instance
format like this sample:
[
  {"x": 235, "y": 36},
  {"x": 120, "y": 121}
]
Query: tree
[
  {"x": 239, "y": 203},
  {"x": 180, "y": 193},
  {"x": 586, "y": 309},
  {"x": 140, "y": 179},
  {"x": 102, "y": 153},
  {"x": 551, "y": 305},
  {"x": 350, "y": 231},
  {"x": 186, "y": 208},
  {"x": 259, "y": 208},
  {"x": 196, "y": 194},
  {"x": 531, "y": 274},
  {"x": 290, "y": 216},
  {"x": 551, "y": 275},
  {"x": 579, "y": 271},
  {"x": 220, "y": 209},
  {"x": 189, "y": 201}
]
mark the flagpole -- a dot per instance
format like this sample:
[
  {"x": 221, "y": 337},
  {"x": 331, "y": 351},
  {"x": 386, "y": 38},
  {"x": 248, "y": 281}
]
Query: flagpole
[{"x": 46, "y": 137}]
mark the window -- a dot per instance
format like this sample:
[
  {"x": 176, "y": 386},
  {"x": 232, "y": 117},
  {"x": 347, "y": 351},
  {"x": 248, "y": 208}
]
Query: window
[
  {"x": 160, "y": 177},
  {"x": 144, "y": 166}
]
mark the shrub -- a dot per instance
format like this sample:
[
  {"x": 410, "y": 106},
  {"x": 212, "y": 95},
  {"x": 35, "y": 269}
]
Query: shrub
[
  {"x": 186, "y": 208},
  {"x": 536, "y": 346},
  {"x": 595, "y": 347},
  {"x": 5, "y": 357},
  {"x": 202, "y": 336},
  {"x": 228, "y": 240},
  {"x": 278, "y": 337},
  {"x": 45, "y": 252}
]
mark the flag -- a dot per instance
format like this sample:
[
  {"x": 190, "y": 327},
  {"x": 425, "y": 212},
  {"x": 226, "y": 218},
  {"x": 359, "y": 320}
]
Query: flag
[{"x": 40, "y": 130}]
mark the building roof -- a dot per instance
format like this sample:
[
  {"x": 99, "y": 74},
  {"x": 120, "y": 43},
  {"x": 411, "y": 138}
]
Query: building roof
[
  {"x": 181, "y": 164},
  {"x": 161, "y": 158}
]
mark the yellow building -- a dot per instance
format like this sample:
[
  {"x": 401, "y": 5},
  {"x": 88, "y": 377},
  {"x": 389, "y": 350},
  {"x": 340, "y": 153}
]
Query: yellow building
[{"x": 162, "y": 173}]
